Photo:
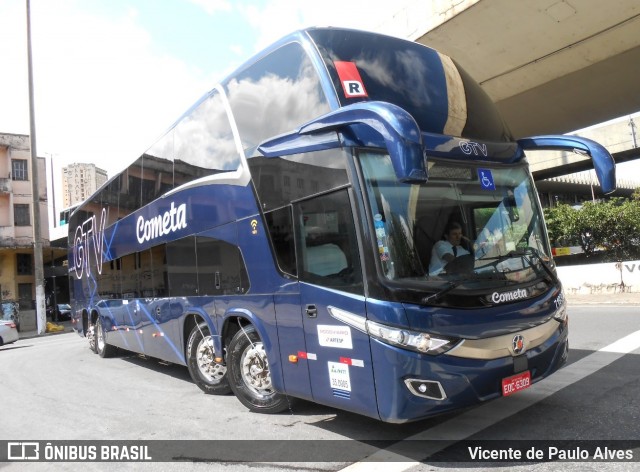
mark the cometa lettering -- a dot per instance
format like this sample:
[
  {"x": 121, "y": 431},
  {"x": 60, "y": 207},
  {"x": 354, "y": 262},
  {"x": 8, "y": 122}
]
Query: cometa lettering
[
  {"x": 503, "y": 297},
  {"x": 171, "y": 220}
]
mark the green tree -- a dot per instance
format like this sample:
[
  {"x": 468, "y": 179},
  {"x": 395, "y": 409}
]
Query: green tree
[
  {"x": 612, "y": 226},
  {"x": 562, "y": 225}
]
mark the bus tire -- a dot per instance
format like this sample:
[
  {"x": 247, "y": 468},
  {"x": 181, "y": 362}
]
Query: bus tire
[
  {"x": 102, "y": 348},
  {"x": 207, "y": 374},
  {"x": 249, "y": 375}
]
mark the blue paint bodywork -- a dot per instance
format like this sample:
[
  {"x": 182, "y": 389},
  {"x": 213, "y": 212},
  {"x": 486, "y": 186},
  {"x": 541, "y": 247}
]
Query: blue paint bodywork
[{"x": 275, "y": 303}]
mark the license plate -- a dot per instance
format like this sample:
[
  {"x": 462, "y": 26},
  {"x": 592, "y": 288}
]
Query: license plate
[{"x": 515, "y": 383}]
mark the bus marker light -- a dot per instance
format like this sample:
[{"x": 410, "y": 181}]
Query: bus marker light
[{"x": 293, "y": 358}]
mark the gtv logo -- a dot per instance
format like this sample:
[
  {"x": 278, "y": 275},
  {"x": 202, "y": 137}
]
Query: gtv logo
[
  {"x": 471, "y": 147},
  {"x": 88, "y": 235}
]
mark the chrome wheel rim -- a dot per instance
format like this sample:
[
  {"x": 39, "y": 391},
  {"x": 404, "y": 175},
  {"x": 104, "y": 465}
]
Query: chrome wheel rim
[
  {"x": 91, "y": 334},
  {"x": 100, "y": 336},
  {"x": 205, "y": 358},
  {"x": 255, "y": 370}
]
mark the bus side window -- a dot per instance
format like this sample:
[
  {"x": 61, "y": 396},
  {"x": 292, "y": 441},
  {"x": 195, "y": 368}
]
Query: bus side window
[
  {"x": 182, "y": 267},
  {"x": 327, "y": 245},
  {"x": 280, "y": 225},
  {"x": 220, "y": 266}
]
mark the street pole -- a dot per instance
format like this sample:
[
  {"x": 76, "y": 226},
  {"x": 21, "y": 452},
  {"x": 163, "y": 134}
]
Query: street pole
[
  {"x": 41, "y": 315},
  {"x": 53, "y": 196}
]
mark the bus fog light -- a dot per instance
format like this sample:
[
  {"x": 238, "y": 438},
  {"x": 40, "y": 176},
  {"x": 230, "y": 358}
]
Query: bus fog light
[{"x": 431, "y": 389}]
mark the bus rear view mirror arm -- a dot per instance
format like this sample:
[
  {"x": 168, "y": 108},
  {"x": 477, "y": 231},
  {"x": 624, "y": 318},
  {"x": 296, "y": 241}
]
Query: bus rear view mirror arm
[
  {"x": 603, "y": 162},
  {"x": 393, "y": 128}
]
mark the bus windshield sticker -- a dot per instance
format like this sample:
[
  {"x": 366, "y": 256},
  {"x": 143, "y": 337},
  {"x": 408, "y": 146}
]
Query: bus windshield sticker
[
  {"x": 350, "y": 79},
  {"x": 335, "y": 336},
  {"x": 339, "y": 376},
  {"x": 486, "y": 179},
  {"x": 381, "y": 237}
]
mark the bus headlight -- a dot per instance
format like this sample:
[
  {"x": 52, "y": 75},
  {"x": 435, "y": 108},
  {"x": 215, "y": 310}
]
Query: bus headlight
[{"x": 407, "y": 339}]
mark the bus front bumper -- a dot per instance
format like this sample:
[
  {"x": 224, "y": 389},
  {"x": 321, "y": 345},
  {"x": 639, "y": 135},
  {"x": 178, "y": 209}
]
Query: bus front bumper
[{"x": 451, "y": 381}]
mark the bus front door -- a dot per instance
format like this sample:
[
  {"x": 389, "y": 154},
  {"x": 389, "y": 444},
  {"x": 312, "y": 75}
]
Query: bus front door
[
  {"x": 338, "y": 356},
  {"x": 331, "y": 288}
]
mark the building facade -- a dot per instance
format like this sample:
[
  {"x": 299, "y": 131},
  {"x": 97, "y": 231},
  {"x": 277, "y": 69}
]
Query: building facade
[
  {"x": 80, "y": 181},
  {"x": 17, "y": 274}
]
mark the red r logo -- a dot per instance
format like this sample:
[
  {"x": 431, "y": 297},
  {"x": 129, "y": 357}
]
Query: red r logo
[{"x": 350, "y": 79}]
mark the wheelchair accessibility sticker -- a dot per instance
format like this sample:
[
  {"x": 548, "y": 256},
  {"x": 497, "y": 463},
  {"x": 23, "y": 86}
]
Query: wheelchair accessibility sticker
[{"x": 486, "y": 179}]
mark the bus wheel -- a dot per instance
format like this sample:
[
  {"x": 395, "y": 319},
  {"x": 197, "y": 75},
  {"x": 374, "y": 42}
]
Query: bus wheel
[
  {"x": 207, "y": 374},
  {"x": 102, "y": 348},
  {"x": 249, "y": 374}
]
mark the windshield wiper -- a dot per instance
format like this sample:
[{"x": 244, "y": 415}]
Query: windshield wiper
[
  {"x": 434, "y": 297},
  {"x": 533, "y": 251},
  {"x": 526, "y": 254}
]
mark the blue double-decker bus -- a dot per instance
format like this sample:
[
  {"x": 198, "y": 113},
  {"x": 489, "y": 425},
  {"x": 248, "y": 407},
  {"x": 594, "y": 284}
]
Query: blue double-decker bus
[{"x": 279, "y": 239}]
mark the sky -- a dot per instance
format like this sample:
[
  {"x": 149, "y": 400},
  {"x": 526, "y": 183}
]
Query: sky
[{"x": 110, "y": 76}]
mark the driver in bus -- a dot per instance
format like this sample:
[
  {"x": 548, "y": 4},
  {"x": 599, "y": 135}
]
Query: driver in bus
[{"x": 447, "y": 249}]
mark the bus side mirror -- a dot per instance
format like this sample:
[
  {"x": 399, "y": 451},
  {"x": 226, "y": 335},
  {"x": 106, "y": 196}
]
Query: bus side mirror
[
  {"x": 603, "y": 162},
  {"x": 382, "y": 124}
]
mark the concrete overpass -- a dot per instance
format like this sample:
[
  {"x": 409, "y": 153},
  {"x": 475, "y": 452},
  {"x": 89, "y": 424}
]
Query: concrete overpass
[{"x": 551, "y": 66}]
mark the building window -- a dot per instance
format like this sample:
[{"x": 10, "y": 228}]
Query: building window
[
  {"x": 24, "y": 265},
  {"x": 21, "y": 216},
  {"x": 19, "y": 169}
]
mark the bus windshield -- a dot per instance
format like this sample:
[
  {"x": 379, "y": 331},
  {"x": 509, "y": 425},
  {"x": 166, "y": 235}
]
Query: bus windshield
[{"x": 493, "y": 207}]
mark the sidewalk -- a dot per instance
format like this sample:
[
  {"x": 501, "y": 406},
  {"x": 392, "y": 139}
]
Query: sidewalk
[
  {"x": 68, "y": 328},
  {"x": 625, "y": 298}
]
